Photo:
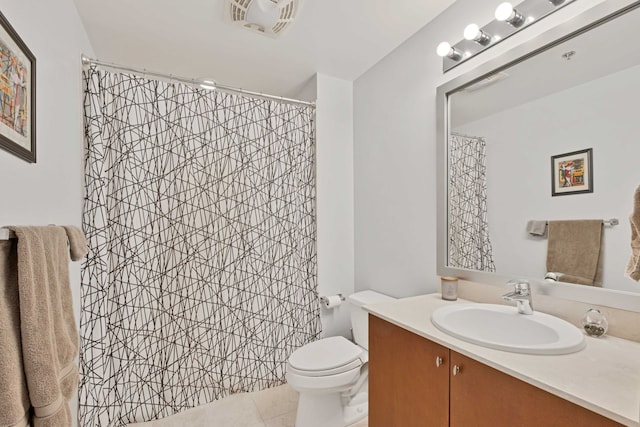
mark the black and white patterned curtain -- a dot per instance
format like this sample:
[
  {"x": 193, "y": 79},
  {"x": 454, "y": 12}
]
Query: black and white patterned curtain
[
  {"x": 469, "y": 243},
  {"x": 200, "y": 213}
]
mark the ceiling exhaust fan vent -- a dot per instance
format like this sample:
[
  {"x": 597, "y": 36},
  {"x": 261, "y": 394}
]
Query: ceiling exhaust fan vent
[
  {"x": 267, "y": 17},
  {"x": 237, "y": 13}
]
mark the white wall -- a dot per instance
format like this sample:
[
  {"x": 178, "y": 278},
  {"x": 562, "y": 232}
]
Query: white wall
[
  {"x": 334, "y": 130},
  {"x": 601, "y": 115},
  {"x": 309, "y": 91},
  {"x": 395, "y": 149},
  {"x": 50, "y": 191}
]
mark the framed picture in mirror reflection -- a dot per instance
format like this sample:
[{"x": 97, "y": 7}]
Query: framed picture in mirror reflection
[{"x": 572, "y": 173}]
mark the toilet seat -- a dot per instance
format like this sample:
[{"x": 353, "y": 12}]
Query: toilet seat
[{"x": 328, "y": 356}]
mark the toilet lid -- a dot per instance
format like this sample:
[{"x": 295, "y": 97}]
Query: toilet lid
[{"x": 325, "y": 354}]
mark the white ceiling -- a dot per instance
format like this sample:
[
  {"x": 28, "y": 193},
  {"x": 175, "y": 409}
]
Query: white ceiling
[{"x": 190, "y": 38}]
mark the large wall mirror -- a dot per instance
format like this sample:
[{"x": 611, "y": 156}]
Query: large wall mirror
[{"x": 574, "y": 89}]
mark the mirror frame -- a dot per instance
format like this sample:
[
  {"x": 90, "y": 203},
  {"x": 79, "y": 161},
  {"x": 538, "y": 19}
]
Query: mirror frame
[{"x": 575, "y": 26}]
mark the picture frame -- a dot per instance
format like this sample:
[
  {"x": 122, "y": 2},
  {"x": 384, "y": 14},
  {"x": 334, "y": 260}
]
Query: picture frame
[
  {"x": 572, "y": 173},
  {"x": 17, "y": 94}
]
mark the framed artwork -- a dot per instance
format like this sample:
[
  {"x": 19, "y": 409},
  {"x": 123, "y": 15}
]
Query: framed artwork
[
  {"x": 572, "y": 173},
  {"x": 17, "y": 94}
]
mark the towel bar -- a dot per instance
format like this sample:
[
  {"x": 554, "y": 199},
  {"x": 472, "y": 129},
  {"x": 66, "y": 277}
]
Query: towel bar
[
  {"x": 612, "y": 221},
  {"x": 6, "y": 234}
]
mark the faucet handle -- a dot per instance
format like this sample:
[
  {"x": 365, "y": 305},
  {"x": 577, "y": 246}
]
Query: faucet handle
[{"x": 521, "y": 285}]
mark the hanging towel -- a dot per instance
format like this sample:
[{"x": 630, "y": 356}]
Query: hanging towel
[
  {"x": 14, "y": 397},
  {"x": 633, "y": 267},
  {"x": 44, "y": 333},
  {"x": 78, "y": 246},
  {"x": 536, "y": 227},
  {"x": 574, "y": 249}
]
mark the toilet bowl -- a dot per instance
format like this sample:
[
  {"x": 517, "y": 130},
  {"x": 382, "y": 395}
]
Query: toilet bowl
[{"x": 331, "y": 374}]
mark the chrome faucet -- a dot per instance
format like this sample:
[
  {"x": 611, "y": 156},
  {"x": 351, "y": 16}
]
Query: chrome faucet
[{"x": 521, "y": 295}]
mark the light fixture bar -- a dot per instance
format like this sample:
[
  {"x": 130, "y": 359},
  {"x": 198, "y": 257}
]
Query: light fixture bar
[{"x": 509, "y": 21}]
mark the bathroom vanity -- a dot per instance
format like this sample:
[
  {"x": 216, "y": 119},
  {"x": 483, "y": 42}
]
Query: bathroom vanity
[{"x": 420, "y": 376}]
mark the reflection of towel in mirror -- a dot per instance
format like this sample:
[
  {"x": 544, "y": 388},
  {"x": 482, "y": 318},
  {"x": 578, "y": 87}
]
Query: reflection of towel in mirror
[
  {"x": 574, "y": 249},
  {"x": 536, "y": 227},
  {"x": 633, "y": 267}
]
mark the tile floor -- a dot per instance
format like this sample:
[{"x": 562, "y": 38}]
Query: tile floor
[{"x": 275, "y": 407}]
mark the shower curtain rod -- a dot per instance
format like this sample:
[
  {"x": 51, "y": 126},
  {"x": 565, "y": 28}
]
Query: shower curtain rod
[{"x": 86, "y": 61}]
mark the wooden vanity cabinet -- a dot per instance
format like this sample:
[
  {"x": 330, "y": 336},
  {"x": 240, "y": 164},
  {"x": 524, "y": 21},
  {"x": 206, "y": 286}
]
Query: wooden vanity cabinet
[
  {"x": 416, "y": 382},
  {"x": 407, "y": 387}
]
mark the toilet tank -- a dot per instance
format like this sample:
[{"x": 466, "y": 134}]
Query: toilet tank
[{"x": 360, "y": 317}]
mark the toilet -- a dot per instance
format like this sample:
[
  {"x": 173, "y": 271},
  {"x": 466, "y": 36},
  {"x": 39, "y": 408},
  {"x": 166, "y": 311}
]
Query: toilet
[{"x": 331, "y": 374}]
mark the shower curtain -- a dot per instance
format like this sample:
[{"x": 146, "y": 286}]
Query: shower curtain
[
  {"x": 469, "y": 242},
  {"x": 200, "y": 215}
]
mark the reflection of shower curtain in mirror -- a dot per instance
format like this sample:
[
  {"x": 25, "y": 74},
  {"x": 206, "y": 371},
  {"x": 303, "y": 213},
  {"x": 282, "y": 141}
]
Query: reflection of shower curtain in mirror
[{"x": 469, "y": 243}]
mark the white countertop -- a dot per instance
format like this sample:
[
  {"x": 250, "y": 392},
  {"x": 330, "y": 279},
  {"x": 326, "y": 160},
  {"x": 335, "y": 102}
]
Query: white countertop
[{"x": 604, "y": 377}]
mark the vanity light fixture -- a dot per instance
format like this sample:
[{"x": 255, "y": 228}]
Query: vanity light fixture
[
  {"x": 477, "y": 38},
  {"x": 473, "y": 32},
  {"x": 505, "y": 12},
  {"x": 445, "y": 50},
  {"x": 208, "y": 84}
]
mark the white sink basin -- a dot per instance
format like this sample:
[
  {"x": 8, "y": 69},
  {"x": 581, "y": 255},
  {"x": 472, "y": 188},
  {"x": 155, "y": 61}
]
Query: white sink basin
[{"x": 503, "y": 328}]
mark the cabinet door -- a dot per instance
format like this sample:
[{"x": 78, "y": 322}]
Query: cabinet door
[
  {"x": 408, "y": 378},
  {"x": 483, "y": 396}
]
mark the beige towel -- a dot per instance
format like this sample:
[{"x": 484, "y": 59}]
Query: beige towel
[
  {"x": 49, "y": 339},
  {"x": 574, "y": 249},
  {"x": 633, "y": 267},
  {"x": 14, "y": 397},
  {"x": 78, "y": 247}
]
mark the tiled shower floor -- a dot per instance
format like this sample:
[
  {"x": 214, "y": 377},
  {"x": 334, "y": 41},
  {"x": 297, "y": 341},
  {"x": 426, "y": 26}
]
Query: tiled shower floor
[{"x": 275, "y": 407}]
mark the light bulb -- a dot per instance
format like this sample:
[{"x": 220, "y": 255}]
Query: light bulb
[
  {"x": 444, "y": 49},
  {"x": 471, "y": 31},
  {"x": 504, "y": 11},
  {"x": 208, "y": 84}
]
